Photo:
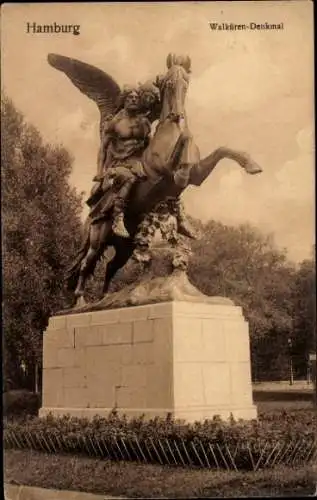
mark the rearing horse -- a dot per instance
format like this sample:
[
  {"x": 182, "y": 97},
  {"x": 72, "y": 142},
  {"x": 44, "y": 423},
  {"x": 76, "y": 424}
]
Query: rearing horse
[
  {"x": 171, "y": 162},
  {"x": 168, "y": 149}
]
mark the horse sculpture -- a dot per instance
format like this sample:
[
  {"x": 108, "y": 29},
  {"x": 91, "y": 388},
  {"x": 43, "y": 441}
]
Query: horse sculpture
[{"x": 171, "y": 162}]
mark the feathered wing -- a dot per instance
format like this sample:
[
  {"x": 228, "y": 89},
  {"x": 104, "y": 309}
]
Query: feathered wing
[{"x": 91, "y": 81}]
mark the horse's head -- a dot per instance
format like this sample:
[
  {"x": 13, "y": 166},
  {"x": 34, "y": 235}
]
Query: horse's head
[{"x": 174, "y": 87}]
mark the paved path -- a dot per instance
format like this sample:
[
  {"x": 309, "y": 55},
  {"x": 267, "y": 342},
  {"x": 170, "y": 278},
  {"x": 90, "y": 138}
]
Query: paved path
[
  {"x": 13, "y": 492},
  {"x": 298, "y": 385}
]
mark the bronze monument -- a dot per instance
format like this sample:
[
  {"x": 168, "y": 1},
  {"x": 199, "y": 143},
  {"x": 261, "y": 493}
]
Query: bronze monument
[{"x": 140, "y": 178}]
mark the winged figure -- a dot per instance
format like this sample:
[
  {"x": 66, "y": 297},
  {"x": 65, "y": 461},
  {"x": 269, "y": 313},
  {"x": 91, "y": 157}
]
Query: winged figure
[
  {"x": 137, "y": 172},
  {"x": 125, "y": 126},
  {"x": 91, "y": 81}
]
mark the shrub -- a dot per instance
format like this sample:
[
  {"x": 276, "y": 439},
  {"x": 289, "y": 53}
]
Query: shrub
[
  {"x": 269, "y": 426},
  {"x": 20, "y": 403},
  {"x": 233, "y": 444}
]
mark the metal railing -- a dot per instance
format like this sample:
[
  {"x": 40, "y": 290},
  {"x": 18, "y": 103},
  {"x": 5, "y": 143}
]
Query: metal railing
[{"x": 186, "y": 453}]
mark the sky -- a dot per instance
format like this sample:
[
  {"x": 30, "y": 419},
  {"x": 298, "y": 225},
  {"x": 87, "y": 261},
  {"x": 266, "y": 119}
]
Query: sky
[{"x": 249, "y": 90}]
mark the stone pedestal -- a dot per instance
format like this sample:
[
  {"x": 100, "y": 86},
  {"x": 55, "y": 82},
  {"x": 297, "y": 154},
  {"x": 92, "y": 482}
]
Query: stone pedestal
[{"x": 190, "y": 359}]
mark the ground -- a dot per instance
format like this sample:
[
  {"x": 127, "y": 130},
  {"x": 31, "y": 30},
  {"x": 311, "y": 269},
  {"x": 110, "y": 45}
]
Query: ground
[{"x": 152, "y": 481}]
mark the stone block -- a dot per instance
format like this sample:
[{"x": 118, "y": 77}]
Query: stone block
[
  {"x": 131, "y": 397},
  {"x": 143, "y": 331},
  {"x": 195, "y": 309},
  {"x": 133, "y": 376},
  {"x": 120, "y": 333},
  {"x": 88, "y": 335},
  {"x": 205, "y": 310},
  {"x": 60, "y": 337},
  {"x": 187, "y": 344},
  {"x": 100, "y": 362},
  {"x": 105, "y": 317},
  {"x": 66, "y": 358},
  {"x": 188, "y": 385},
  {"x": 163, "y": 310},
  {"x": 52, "y": 377},
  {"x": 132, "y": 314},
  {"x": 120, "y": 354},
  {"x": 57, "y": 323},
  {"x": 55, "y": 341},
  {"x": 217, "y": 384},
  {"x": 74, "y": 377},
  {"x": 96, "y": 357},
  {"x": 53, "y": 387},
  {"x": 237, "y": 341},
  {"x": 80, "y": 357},
  {"x": 159, "y": 386},
  {"x": 82, "y": 319},
  {"x": 105, "y": 363},
  {"x": 241, "y": 386},
  {"x": 143, "y": 353},
  {"x": 213, "y": 341},
  {"x": 50, "y": 352},
  {"x": 163, "y": 339},
  {"x": 195, "y": 414},
  {"x": 76, "y": 397},
  {"x": 101, "y": 389}
]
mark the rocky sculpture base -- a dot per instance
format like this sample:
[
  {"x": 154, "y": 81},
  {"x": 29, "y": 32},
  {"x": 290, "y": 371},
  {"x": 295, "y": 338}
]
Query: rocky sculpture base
[
  {"x": 187, "y": 358},
  {"x": 151, "y": 290},
  {"x": 153, "y": 283}
]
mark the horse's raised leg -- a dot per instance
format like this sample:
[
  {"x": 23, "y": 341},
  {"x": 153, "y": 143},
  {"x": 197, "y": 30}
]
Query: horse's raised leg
[
  {"x": 203, "y": 169},
  {"x": 124, "y": 250},
  {"x": 97, "y": 244}
]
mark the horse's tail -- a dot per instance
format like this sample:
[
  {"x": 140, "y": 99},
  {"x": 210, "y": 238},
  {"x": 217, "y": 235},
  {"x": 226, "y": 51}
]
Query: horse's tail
[{"x": 72, "y": 274}]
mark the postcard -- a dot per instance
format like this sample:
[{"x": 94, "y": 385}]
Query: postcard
[{"x": 158, "y": 201}]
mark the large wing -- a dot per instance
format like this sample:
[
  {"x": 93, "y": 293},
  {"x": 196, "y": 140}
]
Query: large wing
[{"x": 91, "y": 81}]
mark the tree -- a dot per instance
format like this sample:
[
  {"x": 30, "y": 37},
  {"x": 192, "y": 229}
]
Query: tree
[
  {"x": 41, "y": 231},
  {"x": 304, "y": 315}
]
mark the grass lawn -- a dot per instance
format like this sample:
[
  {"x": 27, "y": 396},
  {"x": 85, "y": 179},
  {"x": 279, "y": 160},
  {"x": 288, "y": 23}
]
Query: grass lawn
[{"x": 151, "y": 481}]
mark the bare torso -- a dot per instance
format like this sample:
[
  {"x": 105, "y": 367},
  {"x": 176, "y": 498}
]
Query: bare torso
[
  {"x": 128, "y": 136},
  {"x": 130, "y": 127}
]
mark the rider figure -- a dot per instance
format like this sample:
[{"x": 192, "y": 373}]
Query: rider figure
[{"x": 124, "y": 138}]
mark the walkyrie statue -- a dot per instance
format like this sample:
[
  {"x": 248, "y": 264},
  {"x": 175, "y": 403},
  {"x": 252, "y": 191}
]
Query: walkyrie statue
[{"x": 138, "y": 172}]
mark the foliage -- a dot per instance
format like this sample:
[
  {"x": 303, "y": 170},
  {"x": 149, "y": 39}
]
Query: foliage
[
  {"x": 304, "y": 314},
  {"x": 41, "y": 225},
  {"x": 163, "y": 220},
  {"x": 20, "y": 403},
  {"x": 243, "y": 264},
  {"x": 274, "y": 425}
]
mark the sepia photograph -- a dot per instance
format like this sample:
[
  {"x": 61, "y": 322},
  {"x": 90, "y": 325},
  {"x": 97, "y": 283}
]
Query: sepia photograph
[{"x": 158, "y": 250}]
